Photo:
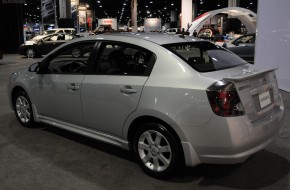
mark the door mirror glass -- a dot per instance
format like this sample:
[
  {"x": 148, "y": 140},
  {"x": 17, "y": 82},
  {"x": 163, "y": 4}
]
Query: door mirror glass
[{"x": 33, "y": 67}]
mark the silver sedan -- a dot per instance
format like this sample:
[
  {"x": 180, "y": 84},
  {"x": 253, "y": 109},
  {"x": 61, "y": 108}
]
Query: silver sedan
[{"x": 172, "y": 100}]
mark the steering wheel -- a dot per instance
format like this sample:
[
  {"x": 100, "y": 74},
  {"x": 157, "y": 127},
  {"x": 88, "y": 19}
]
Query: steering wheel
[{"x": 77, "y": 66}]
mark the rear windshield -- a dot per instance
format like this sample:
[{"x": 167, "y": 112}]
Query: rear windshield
[{"x": 205, "y": 56}]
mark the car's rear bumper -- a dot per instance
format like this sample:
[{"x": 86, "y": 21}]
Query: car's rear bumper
[{"x": 233, "y": 139}]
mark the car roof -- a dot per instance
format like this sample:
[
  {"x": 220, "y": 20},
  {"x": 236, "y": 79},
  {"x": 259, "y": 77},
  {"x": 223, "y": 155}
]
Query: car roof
[
  {"x": 158, "y": 38},
  {"x": 54, "y": 29}
]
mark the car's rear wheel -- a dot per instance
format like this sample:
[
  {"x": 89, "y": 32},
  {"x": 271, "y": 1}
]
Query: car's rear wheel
[
  {"x": 157, "y": 150},
  {"x": 23, "y": 109},
  {"x": 30, "y": 53}
]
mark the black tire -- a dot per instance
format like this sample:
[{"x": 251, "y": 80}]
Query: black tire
[
  {"x": 23, "y": 109},
  {"x": 161, "y": 157}
]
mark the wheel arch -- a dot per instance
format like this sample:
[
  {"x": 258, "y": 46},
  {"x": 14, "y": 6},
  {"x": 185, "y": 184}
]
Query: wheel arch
[
  {"x": 13, "y": 93},
  {"x": 137, "y": 122},
  {"x": 16, "y": 89}
]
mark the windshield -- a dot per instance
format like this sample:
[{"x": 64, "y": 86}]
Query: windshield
[
  {"x": 205, "y": 56},
  {"x": 49, "y": 31}
]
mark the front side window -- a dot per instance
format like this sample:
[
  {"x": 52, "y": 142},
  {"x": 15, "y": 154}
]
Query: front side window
[
  {"x": 124, "y": 59},
  {"x": 50, "y": 38},
  {"x": 71, "y": 60},
  {"x": 205, "y": 56}
]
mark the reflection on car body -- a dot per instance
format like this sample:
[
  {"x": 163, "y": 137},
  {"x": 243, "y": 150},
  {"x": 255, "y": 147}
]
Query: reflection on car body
[
  {"x": 170, "y": 100},
  {"x": 44, "y": 44},
  {"x": 47, "y": 8},
  {"x": 243, "y": 46}
]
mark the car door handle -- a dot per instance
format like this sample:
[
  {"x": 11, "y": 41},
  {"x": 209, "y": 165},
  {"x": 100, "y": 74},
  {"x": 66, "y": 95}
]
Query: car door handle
[
  {"x": 73, "y": 87},
  {"x": 128, "y": 90}
]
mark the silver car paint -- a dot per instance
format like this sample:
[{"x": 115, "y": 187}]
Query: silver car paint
[
  {"x": 107, "y": 101},
  {"x": 176, "y": 94},
  {"x": 55, "y": 98}
]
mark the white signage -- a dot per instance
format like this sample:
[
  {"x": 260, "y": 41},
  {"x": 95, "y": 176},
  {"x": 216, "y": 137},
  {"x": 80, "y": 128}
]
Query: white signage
[
  {"x": 108, "y": 21},
  {"x": 152, "y": 24}
]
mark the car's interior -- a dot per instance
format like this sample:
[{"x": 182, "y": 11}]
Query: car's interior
[
  {"x": 121, "y": 60},
  {"x": 65, "y": 62}
]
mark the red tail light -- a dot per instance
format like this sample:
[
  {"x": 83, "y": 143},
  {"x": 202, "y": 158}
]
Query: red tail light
[{"x": 224, "y": 99}]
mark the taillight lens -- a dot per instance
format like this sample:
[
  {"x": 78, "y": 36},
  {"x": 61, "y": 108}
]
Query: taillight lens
[{"x": 224, "y": 99}]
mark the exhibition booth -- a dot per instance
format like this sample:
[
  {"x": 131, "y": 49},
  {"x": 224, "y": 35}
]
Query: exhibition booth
[{"x": 216, "y": 20}]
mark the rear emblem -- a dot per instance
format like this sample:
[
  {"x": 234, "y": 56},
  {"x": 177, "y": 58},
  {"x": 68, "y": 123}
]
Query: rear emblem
[{"x": 244, "y": 87}]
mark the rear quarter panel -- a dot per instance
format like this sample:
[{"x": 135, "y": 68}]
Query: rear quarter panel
[{"x": 174, "y": 93}]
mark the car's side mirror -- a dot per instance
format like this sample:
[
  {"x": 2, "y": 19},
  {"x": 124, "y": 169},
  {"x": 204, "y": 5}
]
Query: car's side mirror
[{"x": 33, "y": 67}]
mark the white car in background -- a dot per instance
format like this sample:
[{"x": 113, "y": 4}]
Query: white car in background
[
  {"x": 171, "y": 30},
  {"x": 61, "y": 30}
]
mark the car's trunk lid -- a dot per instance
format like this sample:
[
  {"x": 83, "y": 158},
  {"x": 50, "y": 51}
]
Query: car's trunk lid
[{"x": 257, "y": 88}]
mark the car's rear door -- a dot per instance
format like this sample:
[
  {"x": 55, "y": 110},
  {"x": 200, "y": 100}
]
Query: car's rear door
[{"x": 113, "y": 89}]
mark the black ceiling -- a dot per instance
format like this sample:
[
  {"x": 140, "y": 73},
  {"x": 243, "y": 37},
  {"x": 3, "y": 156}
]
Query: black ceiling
[{"x": 146, "y": 8}]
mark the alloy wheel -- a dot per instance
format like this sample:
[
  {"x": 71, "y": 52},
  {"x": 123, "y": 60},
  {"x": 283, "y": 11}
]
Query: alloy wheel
[
  {"x": 154, "y": 150},
  {"x": 23, "y": 109},
  {"x": 30, "y": 53}
]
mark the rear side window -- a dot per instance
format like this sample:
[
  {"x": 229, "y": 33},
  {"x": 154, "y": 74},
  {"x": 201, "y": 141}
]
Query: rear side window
[
  {"x": 124, "y": 59},
  {"x": 205, "y": 56}
]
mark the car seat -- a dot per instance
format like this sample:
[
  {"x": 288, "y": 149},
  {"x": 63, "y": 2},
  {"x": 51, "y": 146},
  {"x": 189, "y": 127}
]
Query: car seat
[{"x": 118, "y": 62}]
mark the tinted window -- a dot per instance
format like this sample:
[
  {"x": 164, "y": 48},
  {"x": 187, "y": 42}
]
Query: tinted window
[
  {"x": 124, "y": 59},
  {"x": 72, "y": 60},
  {"x": 50, "y": 31},
  {"x": 205, "y": 56},
  {"x": 246, "y": 39}
]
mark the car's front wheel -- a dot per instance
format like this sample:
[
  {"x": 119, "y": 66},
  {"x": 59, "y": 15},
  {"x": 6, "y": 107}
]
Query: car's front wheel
[
  {"x": 157, "y": 150},
  {"x": 23, "y": 109}
]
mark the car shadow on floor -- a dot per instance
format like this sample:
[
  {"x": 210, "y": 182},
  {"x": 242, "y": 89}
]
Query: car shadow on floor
[
  {"x": 261, "y": 170},
  {"x": 83, "y": 156},
  {"x": 101, "y": 146}
]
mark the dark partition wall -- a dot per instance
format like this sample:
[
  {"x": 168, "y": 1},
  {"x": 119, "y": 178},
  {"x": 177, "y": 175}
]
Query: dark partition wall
[{"x": 11, "y": 25}]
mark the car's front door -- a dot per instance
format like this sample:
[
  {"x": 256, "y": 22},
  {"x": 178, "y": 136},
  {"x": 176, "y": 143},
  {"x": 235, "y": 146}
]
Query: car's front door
[
  {"x": 113, "y": 90},
  {"x": 58, "y": 90}
]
